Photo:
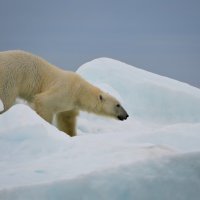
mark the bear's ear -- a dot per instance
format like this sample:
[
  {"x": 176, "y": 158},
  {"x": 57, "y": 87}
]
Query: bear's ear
[{"x": 101, "y": 97}]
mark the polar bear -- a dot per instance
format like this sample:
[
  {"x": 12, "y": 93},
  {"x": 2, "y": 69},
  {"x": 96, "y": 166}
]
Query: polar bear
[{"x": 52, "y": 91}]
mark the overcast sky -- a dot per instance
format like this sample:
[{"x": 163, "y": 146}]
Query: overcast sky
[{"x": 161, "y": 36}]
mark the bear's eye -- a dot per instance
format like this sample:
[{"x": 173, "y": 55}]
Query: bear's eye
[
  {"x": 100, "y": 97},
  {"x": 117, "y": 105}
]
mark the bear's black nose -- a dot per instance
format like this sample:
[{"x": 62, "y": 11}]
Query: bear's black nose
[{"x": 121, "y": 117}]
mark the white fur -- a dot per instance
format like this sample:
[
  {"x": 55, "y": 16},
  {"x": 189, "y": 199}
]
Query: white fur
[{"x": 50, "y": 90}]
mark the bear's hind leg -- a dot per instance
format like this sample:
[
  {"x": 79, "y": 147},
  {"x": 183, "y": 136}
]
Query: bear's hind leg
[
  {"x": 8, "y": 100},
  {"x": 66, "y": 122},
  {"x": 42, "y": 107}
]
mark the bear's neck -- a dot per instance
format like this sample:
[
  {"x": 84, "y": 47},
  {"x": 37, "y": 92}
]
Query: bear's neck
[{"x": 88, "y": 98}]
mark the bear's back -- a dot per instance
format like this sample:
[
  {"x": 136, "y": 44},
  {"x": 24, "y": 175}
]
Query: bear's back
[
  {"x": 21, "y": 61},
  {"x": 22, "y": 70}
]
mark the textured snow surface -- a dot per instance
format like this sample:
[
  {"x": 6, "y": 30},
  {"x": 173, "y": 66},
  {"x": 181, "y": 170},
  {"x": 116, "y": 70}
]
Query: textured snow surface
[{"x": 155, "y": 154}]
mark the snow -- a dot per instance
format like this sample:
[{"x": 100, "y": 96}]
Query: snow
[{"x": 155, "y": 154}]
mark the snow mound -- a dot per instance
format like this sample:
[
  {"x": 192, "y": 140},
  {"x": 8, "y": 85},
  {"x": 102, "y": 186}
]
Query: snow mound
[
  {"x": 173, "y": 178},
  {"x": 22, "y": 116},
  {"x": 36, "y": 156},
  {"x": 146, "y": 96}
]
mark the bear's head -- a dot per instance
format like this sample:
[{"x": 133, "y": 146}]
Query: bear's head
[
  {"x": 110, "y": 106},
  {"x": 93, "y": 100}
]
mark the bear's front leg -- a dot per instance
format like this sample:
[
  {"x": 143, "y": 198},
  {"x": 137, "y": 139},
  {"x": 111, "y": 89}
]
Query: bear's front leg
[{"x": 66, "y": 122}]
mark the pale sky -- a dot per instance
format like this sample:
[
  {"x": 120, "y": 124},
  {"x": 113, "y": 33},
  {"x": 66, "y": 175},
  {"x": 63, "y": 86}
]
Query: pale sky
[{"x": 161, "y": 36}]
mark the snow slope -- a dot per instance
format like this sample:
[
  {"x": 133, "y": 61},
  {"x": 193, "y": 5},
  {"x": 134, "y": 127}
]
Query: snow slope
[{"x": 155, "y": 154}]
